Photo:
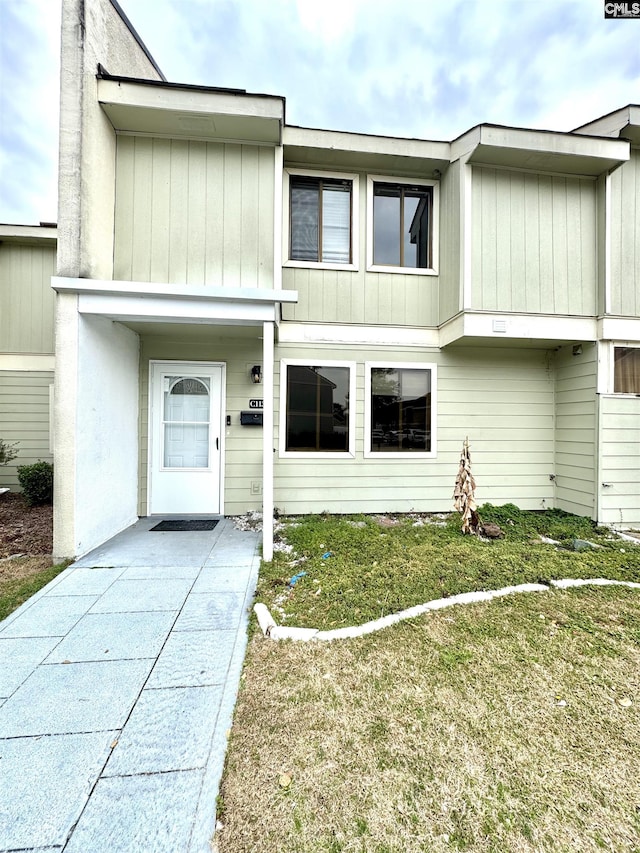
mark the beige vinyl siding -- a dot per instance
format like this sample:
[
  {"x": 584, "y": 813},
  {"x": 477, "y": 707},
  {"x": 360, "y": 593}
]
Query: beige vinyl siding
[
  {"x": 625, "y": 237},
  {"x": 197, "y": 213},
  {"x": 243, "y": 445},
  {"x": 24, "y": 417},
  {"x": 450, "y": 302},
  {"x": 26, "y": 298},
  {"x": 534, "y": 243},
  {"x": 361, "y": 298},
  {"x": 620, "y": 460},
  {"x": 576, "y": 430},
  {"x": 502, "y": 399}
]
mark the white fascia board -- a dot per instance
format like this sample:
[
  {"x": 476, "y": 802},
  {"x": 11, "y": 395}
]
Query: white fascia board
[
  {"x": 321, "y": 333},
  {"x": 552, "y": 141},
  {"x": 500, "y": 327},
  {"x": 158, "y": 309},
  {"x": 334, "y": 140},
  {"x": 620, "y": 329},
  {"x": 172, "y": 291},
  {"x": 189, "y": 100},
  {"x": 529, "y": 142},
  {"x": 27, "y": 362},
  {"x": 28, "y": 233}
]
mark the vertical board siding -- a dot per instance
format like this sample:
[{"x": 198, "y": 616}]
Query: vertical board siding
[
  {"x": 26, "y": 298},
  {"x": 576, "y": 430},
  {"x": 243, "y": 445},
  {"x": 502, "y": 399},
  {"x": 194, "y": 212},
  {"x": 24, "y": 418},
  {"x": 449, "y": 297},
  {"x": 625, "y": 238},
  {"x": 534, "y": 245},
  {"x": 620, "y": 461}
]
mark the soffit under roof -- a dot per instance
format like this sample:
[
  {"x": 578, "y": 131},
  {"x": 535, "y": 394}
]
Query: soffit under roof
[
  {"x": 548, "y": 151},
  {"x": 193, "y": 112},
  {"x": 358, "y": 151}
]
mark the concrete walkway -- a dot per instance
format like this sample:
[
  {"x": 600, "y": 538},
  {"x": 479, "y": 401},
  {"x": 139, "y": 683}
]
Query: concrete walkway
[{"x": 117, "y": 687}]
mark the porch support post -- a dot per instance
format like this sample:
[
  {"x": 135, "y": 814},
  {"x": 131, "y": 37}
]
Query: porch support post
[{"x": 267, "y": 440}]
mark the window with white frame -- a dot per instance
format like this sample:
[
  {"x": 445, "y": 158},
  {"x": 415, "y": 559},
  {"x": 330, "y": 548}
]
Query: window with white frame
[
  {"x": 315, "y": 399},
  {"x": 626, "y": 370},
  {"x": 402, "y": 224},
  {"x": 400, "y": 409},
  {"x": 322, "y": 214}
]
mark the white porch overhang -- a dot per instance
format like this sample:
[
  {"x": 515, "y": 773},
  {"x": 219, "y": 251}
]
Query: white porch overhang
[
  {"x": 543, "y": 331},
  {"x": 139, "y": 305},
  {"x": 139, "y": 302}
]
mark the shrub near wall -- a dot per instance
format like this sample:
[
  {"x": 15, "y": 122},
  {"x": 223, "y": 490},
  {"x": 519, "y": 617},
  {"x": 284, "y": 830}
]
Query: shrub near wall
[{"x": 37, "y": 483}]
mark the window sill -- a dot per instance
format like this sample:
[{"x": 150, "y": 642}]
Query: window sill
[
  {"x": 399, "y": 455},
  {"x": 402, "y": 270},
  {"x": 313, "y": 265},
  {"x": 305, "y": 454}
]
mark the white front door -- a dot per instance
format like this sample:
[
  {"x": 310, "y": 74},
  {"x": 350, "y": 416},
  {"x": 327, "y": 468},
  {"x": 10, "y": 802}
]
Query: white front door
[{"x": 185, "y": 434}]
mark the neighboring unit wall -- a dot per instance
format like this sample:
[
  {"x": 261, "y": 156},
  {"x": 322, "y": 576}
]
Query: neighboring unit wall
[
  {"x": 575, "y": 466},
  {"x": 242, "y": 445},
  {"x": 534, "y": 243},
  {"x": 502, "y": 399},
  {"x": 620, "y": 460},
  {"x": 194, "y": 212},
  {"x": 625, "y": 238},
  {"x": 26, "y": 297},
  {"x": 24, "y": 418},
  {"x": 26, "y": 349}
]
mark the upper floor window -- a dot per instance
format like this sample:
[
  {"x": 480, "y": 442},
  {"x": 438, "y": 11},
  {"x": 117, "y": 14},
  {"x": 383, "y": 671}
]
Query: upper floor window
[
  {"x": 402, "y": 225},
  {"x": 626, "y": 370},
  {"x": 322, "y": 220}
]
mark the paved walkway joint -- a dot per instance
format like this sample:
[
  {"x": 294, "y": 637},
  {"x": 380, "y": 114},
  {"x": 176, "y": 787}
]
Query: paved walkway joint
[{"x": 117, "y": 687}]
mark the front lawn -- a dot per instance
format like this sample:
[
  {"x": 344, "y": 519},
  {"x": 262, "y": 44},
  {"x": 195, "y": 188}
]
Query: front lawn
[{"x": 512, "y": 725}]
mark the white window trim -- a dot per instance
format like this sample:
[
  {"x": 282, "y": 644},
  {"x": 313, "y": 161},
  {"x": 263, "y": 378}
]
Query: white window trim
[
  {"x": 282, "y": 429},
  {"x": 355, "y": 218},
  {"x": 612, "y": 366},
  {"x": 396, "y": 455},
  {"x": 435, "y": 225}
]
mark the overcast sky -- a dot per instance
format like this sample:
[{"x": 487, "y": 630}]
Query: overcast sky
[{"x": 429, "y": 69}]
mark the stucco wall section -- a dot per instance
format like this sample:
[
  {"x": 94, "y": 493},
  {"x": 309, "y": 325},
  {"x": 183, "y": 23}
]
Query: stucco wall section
[
  {"x": 107, "y": 441},
  {"x": 92, "y": 33}
]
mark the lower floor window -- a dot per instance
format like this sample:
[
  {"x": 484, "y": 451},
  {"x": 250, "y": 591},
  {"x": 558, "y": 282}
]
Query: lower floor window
[
  {"x": 401, "y": 413},
  {"x": 317, "y": 408},
  {"x": 626, "y": 370}
]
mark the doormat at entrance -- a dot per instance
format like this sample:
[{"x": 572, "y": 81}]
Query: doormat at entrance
[{"x": 187, "y": 524}]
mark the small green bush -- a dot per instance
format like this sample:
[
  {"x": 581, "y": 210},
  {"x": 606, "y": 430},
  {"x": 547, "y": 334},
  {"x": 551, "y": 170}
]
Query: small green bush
[
  {"x": 37, "y": 483},
  {"x": 7, "y": 452}
]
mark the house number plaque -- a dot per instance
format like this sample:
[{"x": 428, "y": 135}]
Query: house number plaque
[{"x": 256, "y": 404}]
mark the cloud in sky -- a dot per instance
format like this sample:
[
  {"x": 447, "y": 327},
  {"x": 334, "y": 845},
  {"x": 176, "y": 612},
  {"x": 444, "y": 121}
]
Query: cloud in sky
[{"x": 370, "y": 66}]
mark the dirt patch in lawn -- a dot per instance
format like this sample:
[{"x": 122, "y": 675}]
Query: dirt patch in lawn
[{"x": 24, "y": 530}]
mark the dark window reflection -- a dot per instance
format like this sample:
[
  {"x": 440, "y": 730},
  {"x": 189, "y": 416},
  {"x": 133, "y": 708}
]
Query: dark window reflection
[
  {"x": 401, "y": 225},
  {"x": 400, "y": 409},
  {"x": 317, "y": 408}
]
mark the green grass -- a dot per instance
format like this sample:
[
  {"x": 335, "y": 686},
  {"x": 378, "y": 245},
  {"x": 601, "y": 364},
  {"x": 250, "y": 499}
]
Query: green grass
[
  {"x": 374, "y": 569},
  {"x": 505, "y": 726},
  {"x": 22, "y": 579}
]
